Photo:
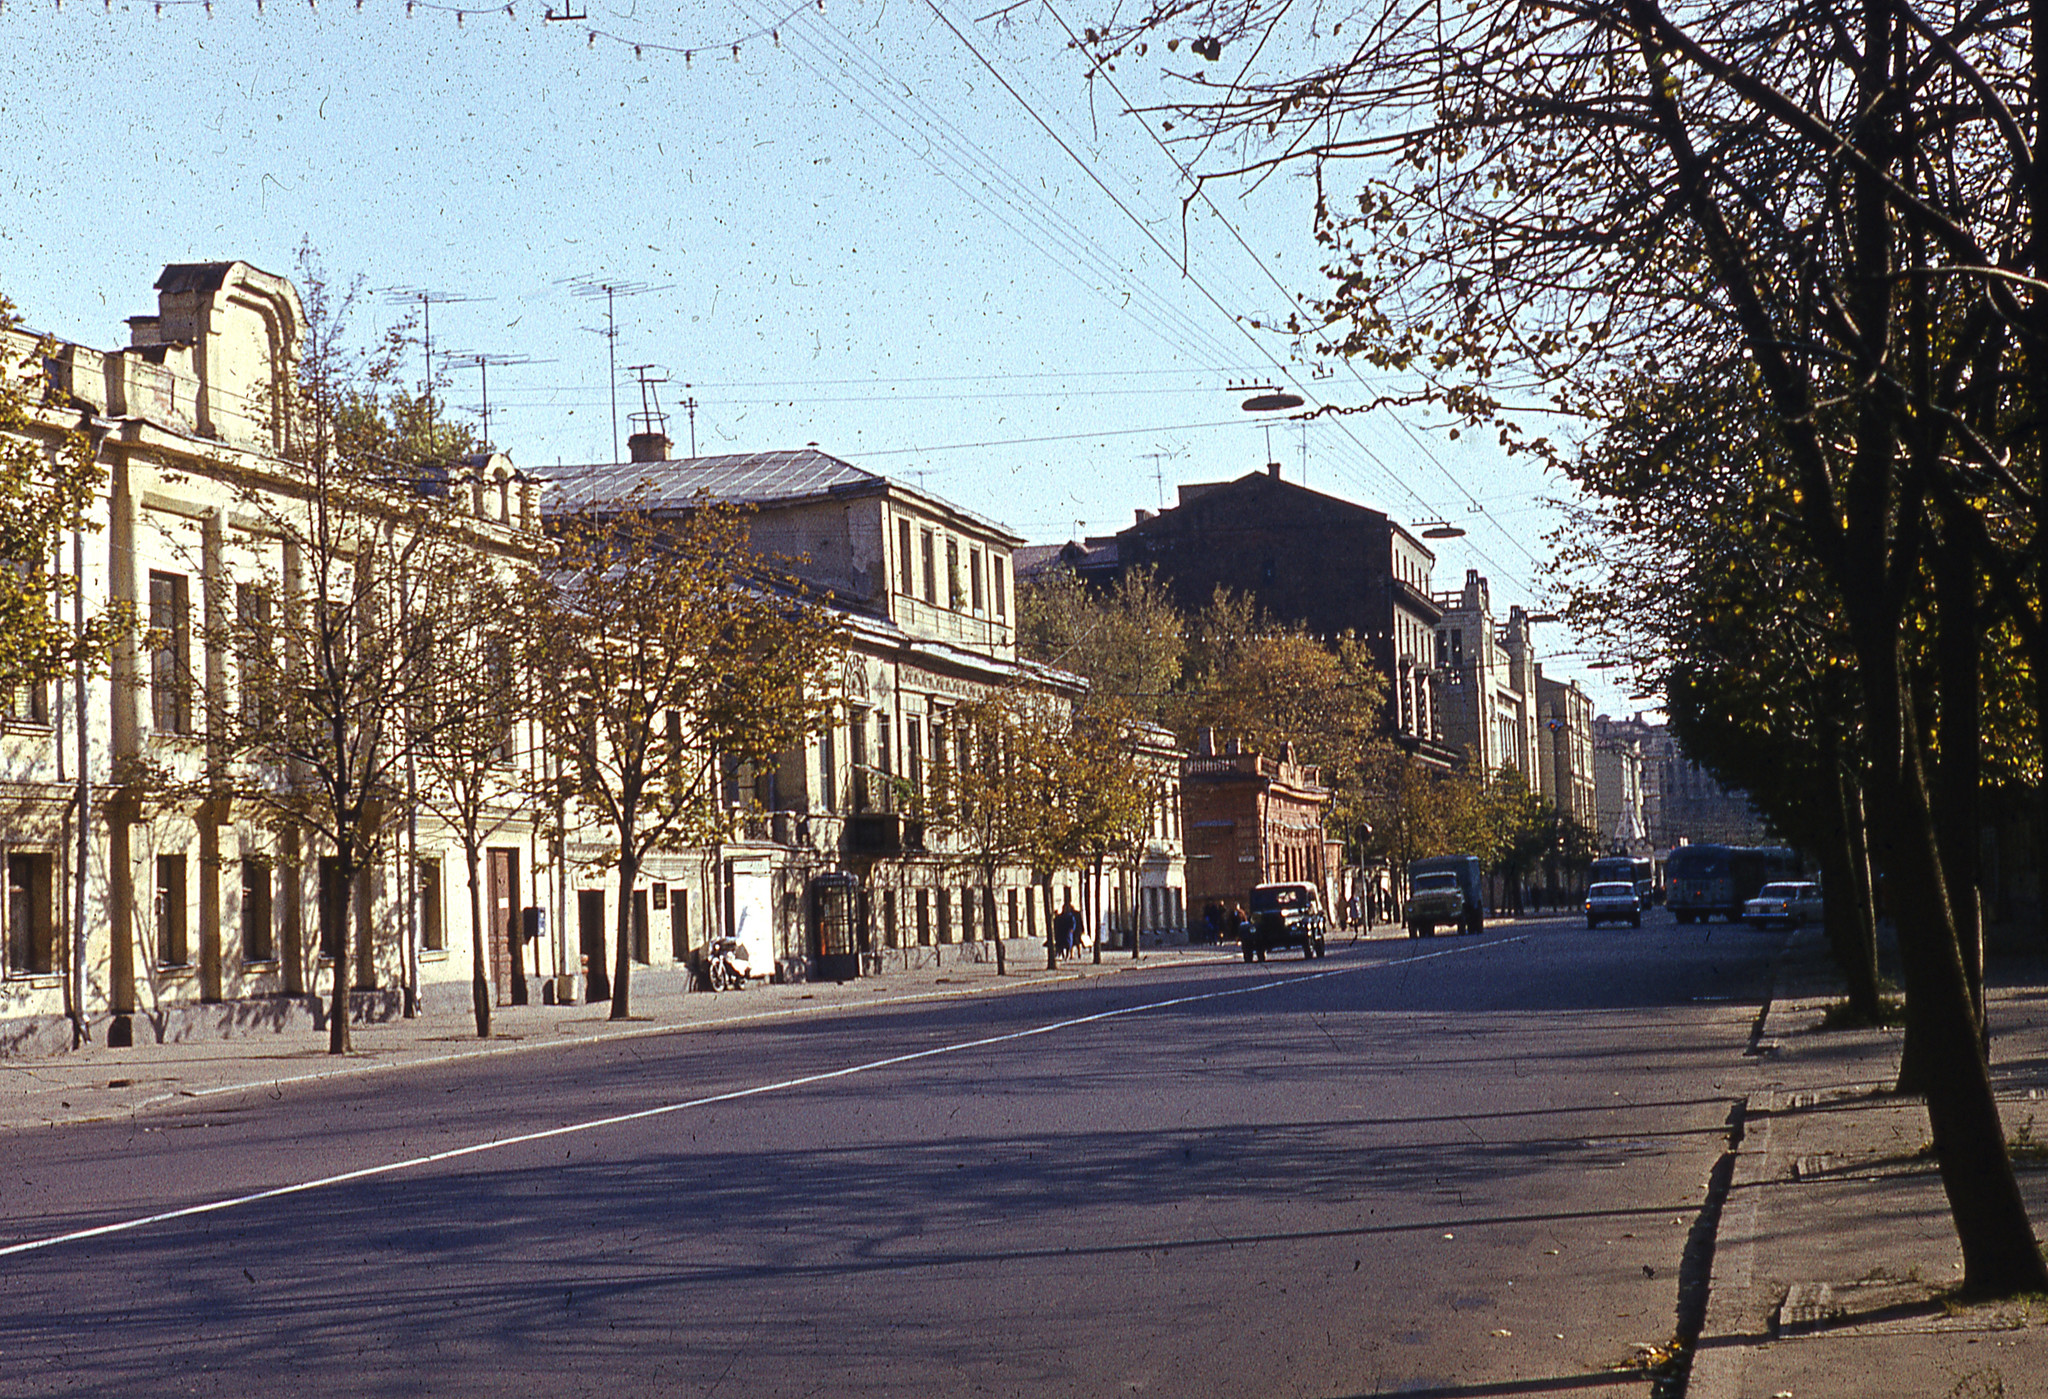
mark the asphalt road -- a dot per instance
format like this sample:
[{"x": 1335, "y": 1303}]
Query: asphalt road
[{"x": 1455, "y": 1167}]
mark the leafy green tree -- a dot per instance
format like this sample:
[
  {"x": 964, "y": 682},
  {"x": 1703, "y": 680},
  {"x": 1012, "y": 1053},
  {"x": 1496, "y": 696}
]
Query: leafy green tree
[
  {"x": 1844, "y": 208},
  {"x": 1127, "y": 640},
  {"x": 49, "y": 471},
  {"x": 666, "y": 652}
]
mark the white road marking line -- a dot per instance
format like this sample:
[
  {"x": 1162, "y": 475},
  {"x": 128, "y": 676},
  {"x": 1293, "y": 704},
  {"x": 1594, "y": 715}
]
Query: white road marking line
[{"x": 279, "y": 1192}]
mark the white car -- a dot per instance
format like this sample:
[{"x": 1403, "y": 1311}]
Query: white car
[
  {"x": 1790, "y": 904},
  {"x": 1613, "y": 903}
]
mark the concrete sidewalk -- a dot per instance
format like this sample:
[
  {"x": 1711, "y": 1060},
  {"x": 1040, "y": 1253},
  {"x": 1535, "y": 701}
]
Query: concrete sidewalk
[
  {"x": 1835, "y": 1253},
  {"x": 96, "y": 1082}
]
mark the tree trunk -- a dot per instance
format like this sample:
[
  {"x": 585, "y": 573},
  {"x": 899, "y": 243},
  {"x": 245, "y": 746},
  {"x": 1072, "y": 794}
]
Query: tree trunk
[
  {"x": 1100, "y": 910},
  {"x": 1052, "y": 938},
  {"x": 1846, "y": 912},
  {"x": 622, "y": 960},
  {"x": 344, "y": 953},
  {"x": 479, "y": 984},
  {"x": 2000, "y": 1255},
  {"x": 995, "y": 928},
  {"x": 1958, "y": 648}
]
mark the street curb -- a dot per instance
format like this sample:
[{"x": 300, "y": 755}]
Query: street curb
[
  {"x": 395, "y": 1058},
  {"x": 1716, "y": 1371},
  {"x": 1722, "y": 1351}
]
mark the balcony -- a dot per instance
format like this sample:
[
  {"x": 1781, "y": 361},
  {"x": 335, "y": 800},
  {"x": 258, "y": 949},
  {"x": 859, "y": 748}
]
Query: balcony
[{"x": 883, "y": 834}]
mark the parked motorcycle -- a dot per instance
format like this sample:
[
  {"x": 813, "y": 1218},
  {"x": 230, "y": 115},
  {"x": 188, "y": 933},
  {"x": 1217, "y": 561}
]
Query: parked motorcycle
[{"x": 726, "y": 965}]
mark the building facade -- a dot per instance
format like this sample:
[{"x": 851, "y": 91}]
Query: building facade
[
  {"x": 925, "y": 590},
  {"x": 153, "y": 910},
  {"x": 1308, "y": 558},
  {"x": 1618, "y": 787},
  {"x": 1487, "y": 683},
  {"x": 1566, "y": 751}
]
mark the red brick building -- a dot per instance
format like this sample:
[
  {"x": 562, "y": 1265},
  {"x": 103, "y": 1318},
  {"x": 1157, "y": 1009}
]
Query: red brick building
[{"x": 1249, "y": 820}]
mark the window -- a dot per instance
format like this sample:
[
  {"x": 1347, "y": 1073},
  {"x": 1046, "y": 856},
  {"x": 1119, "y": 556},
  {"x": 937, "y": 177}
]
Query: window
[
  {"x": 974, "y": 579},
  {"x": 906, "y": 567},
  {"x": 171, "y": 950},
  {"x": 26, "y": 704},
  {"x": 995, "y": 569},
  {"x": 955, "y": 598},
  {"x": 31, "y": 936},
  {"x": 433, "y": 934},
  {"x": 257, "y": 943},
  {"x": 931, "y": 570},
  {"x": 333, "y": 901},
  {"x": 497, "y": 661},
  {"x": 828, "y": 767},
  {"x": 913, "y": 754},
  {"x": 252, "y": 617},
  {"x": 170, "y": 662},
  {"x": 857, "y": 759}
]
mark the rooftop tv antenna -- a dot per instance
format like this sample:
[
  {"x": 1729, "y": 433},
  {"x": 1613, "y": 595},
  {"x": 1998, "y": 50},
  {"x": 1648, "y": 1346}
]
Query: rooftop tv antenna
[
  {"x": 689, "y": 405},
  {"x": 1158, "y": 460},
  {"x": 483, "y": 363},
  {"x": 590, "y": 288},
  {"x": 650, "y": 418},
  {"x": 428, "y": 300}
]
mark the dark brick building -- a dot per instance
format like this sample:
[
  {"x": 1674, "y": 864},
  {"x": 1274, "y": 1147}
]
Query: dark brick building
[{"x": 1326, "y": 563}]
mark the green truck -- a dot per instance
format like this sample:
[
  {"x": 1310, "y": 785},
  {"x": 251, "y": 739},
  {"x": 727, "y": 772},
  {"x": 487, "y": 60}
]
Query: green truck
[{"x": 1445, "y": 891}]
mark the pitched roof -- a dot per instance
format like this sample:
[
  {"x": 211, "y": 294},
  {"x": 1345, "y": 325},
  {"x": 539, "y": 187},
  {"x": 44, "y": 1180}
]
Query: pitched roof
[
  {"x": 751, "y": 478},
  {"x": 754, "y": 477}
]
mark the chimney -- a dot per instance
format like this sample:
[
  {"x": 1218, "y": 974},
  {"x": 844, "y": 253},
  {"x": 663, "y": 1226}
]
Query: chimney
[
  {"x": 648, "y": 446},
  {"x": 1273, "y": 469},
  {"x": 1144, "y": 515}
]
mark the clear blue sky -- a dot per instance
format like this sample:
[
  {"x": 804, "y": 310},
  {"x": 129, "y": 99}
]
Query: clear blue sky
[{"x": 859, "y": 232}]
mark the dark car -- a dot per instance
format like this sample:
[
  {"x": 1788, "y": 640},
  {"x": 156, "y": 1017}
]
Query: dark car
[{"x": 1283, "y": 915}]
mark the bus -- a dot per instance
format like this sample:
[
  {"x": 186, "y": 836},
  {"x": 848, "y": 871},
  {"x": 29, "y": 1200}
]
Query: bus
[
  {"x": 1703, "y": 880},
  {"x": 1624, "y": 869}
]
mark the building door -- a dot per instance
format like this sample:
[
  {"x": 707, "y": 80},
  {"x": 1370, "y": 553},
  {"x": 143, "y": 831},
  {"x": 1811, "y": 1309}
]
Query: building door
[
  {"x": 597, "y": 982},
  {"x": 501, "y": 886}
]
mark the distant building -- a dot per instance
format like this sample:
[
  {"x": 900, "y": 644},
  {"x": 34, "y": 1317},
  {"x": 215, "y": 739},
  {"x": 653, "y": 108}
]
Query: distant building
[
  {"x": 1308, "y": 558},
  {"x": 926, "y": 591},
  {"x": 1250, "y": 820},
  {"x": 1618, "y": 787},
  {"x": 1681, "y": 801},
  {"x": 1566, "y": 749},
  {"x": 1487, "y": 682}
]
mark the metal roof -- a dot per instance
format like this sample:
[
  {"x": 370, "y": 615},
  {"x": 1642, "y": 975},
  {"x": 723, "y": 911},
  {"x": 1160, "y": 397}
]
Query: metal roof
[{"x": 754, "y": 477}]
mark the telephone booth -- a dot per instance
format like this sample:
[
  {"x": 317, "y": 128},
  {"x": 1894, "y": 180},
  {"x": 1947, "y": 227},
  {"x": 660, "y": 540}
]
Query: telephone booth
[{"x": 835, "y": 927}]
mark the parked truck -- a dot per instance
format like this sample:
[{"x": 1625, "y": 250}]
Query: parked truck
[{"x": 1445, "y": 891}]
